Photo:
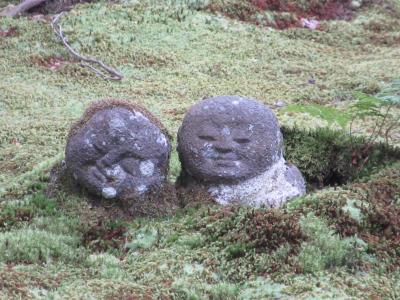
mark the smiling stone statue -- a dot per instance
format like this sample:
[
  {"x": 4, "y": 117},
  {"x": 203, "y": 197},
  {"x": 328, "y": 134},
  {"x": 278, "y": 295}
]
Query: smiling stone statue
[
  {"x": 233, "y": 147},
  {"x": 118, "y": 150}
]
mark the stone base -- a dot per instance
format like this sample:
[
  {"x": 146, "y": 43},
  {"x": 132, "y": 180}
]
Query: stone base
[{"x": 272, "y": 188}]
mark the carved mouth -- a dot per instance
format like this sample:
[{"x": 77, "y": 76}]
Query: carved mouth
[{"x": 226, "y": 163}]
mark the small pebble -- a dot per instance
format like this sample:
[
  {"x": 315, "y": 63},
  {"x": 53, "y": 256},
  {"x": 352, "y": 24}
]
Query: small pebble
[{"x": 109, "y": 193}]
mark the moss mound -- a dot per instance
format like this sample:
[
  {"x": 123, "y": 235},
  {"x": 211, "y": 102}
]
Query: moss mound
[
  {"x": 329, "y": 157},
  {"x": 368, "y": 209},
  {"x": 327, "y": 229},
  {"x": 261, "y": 230}
]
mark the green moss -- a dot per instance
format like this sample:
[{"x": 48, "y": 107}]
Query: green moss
[
  {"x": 144, "y": 238},
  {"x": 19, "y": 212},
  {"x": 257, "y": 289},
  {"x": 261, "y": 288},
  {"x": 330, "y": 114},
  {"x": 352, "y": 209},
  {"x": 37, "y": 246},
  {"x": 192, "y": 241},
  {"x": 325, "y": 249},
  {"x": 105, "y": 266},
  {"x": 236, "y": 250}
]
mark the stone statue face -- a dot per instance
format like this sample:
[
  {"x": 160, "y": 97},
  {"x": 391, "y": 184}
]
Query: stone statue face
[
  {"x": 118, "y": 153},
  {"x": 229, "y": 138}
]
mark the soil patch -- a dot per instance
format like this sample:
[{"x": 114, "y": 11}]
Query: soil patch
[
  {"x": 105, "y": 235},
  {"x": 53, "y": 63},
  {"x": 10, "y": 32}
]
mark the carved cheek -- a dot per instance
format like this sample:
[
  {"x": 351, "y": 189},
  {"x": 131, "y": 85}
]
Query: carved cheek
[{"x": 246, "y": 150}]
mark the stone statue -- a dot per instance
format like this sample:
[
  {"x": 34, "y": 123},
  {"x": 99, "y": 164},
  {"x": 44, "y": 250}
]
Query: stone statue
[
  {"x": 118, "y": 150},
  {"x": 233, "y": 147}
]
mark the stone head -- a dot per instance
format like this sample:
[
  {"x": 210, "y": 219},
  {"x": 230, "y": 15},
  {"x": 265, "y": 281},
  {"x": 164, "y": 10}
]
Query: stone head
[
  {"x": 118, "y": 150},
  {"x": 228, "y": 139}
]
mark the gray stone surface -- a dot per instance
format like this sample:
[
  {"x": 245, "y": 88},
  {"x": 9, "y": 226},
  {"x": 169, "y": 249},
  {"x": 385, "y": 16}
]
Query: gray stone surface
[
  {"x": 233, "y": 147},
  {"x": 295, "y": 178},
  {"x": 118, "y": 153}
]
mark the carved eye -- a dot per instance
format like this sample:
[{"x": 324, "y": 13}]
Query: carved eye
[
  {"x": 242, "y": 140},
  {"x": 208, "y": 138}
]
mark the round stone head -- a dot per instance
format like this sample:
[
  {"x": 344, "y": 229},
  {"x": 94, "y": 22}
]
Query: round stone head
[
  {"x": 118, "y": 150},
  {"x": 229, "y": 139}
]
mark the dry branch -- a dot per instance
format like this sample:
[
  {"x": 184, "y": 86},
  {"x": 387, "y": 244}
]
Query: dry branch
[
  {"x": 21, "y": 8},
  {"x": 107, "y": 72}
]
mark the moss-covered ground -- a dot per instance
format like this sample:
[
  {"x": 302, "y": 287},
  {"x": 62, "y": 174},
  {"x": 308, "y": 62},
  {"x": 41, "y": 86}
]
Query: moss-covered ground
[{"x": 341, "y": 242}]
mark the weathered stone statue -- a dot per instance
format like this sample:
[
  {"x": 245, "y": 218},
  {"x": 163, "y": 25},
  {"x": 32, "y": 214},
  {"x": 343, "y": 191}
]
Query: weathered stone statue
[
  {"x": 232, "y": 147},
  {"x": 118, "y": 150}
]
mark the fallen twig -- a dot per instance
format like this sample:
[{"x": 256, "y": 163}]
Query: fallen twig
[{"x": 107, "y": 73}]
